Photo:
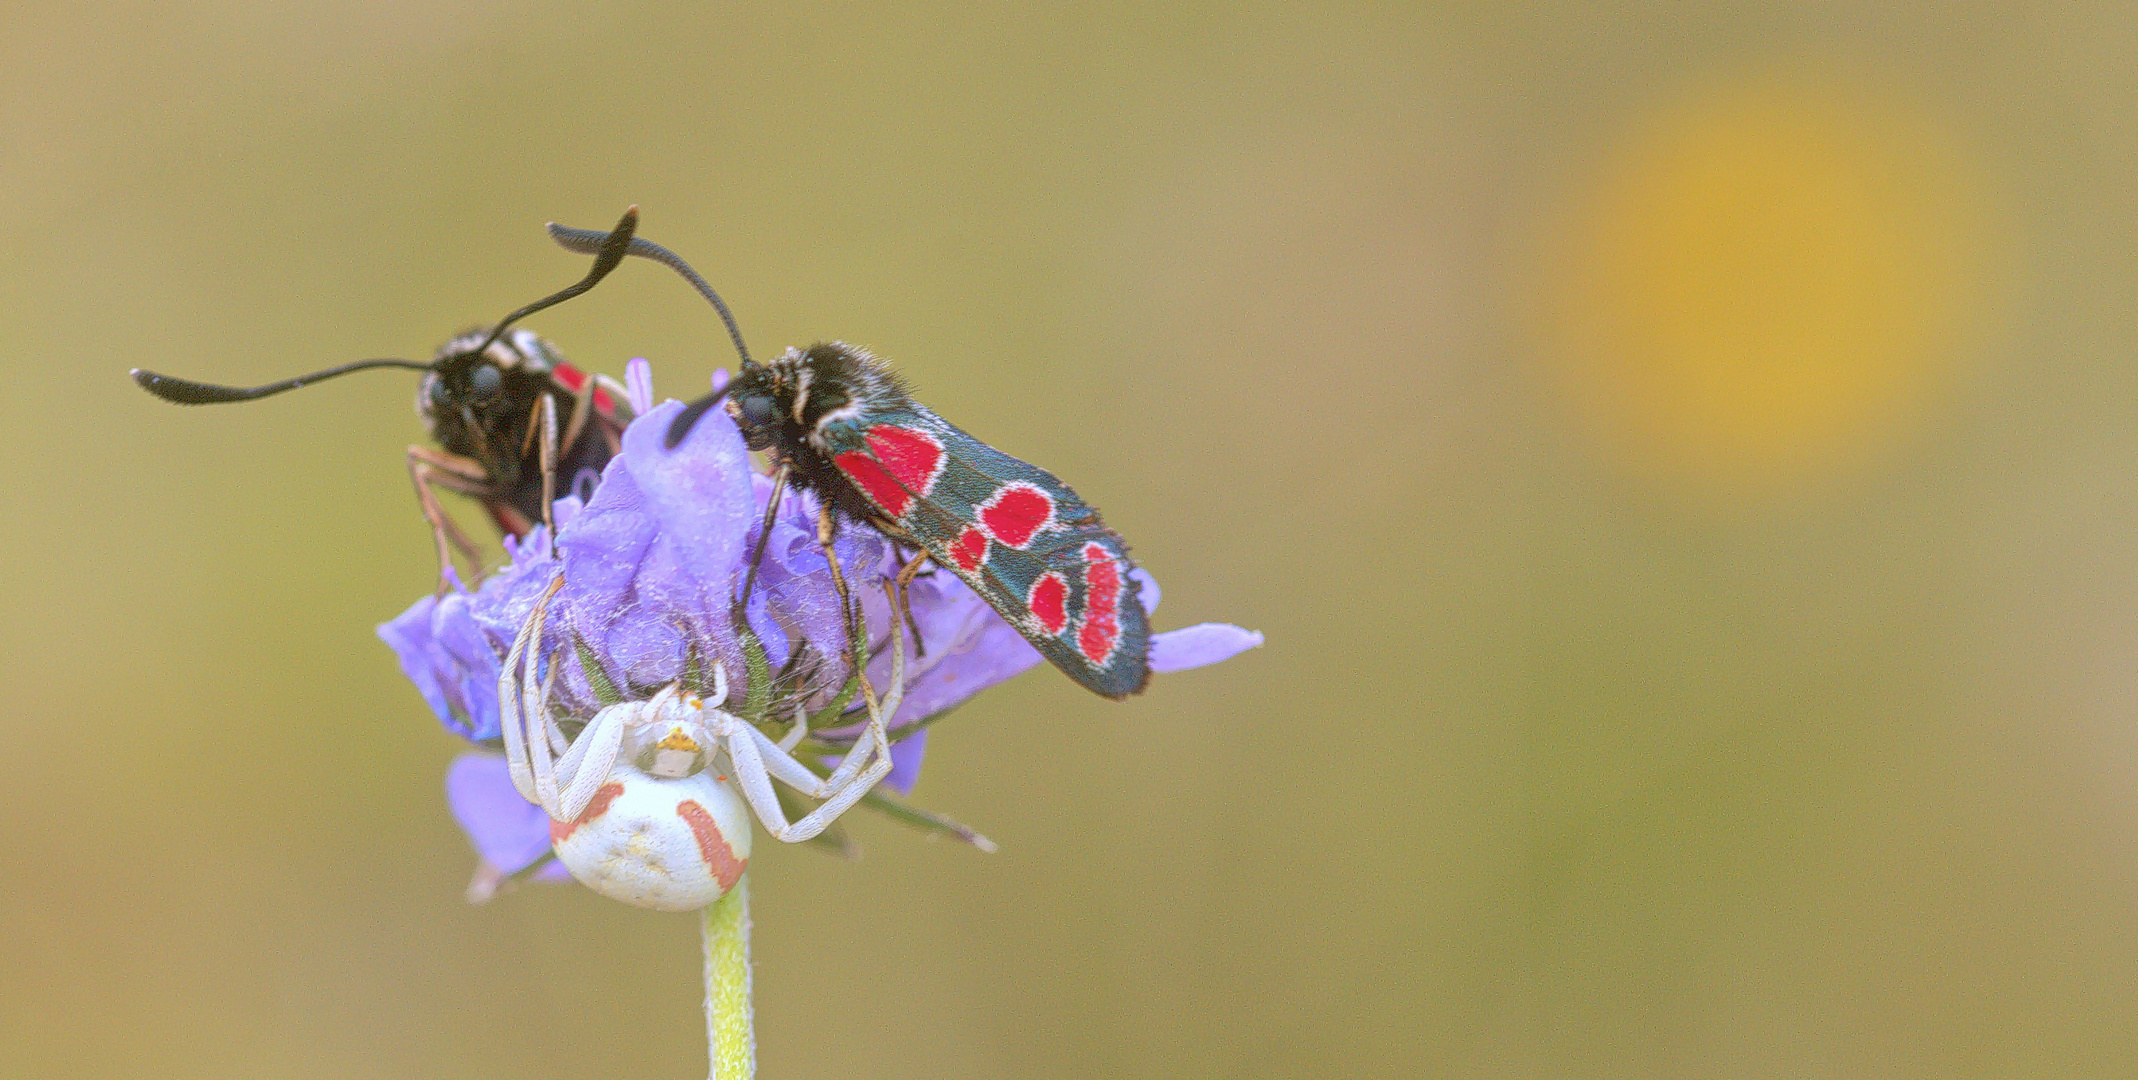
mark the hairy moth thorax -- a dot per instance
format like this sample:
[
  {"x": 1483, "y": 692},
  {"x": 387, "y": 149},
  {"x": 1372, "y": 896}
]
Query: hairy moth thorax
[{"x": 785, "y": 406}]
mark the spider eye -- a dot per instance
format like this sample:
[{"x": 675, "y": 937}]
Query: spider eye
[
  {"x": 757, "y": 410},
  {"x": 485, "y": 382}
]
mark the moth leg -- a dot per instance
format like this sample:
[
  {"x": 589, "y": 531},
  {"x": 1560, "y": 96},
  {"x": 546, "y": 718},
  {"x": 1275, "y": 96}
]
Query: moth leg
[
  {"x": 427, "y": 469},
  {"x": 904, "y": 601},
  {"x": 825, "y": 527},
  {"x": 764, "y": 533},
  {"x": 548, "y": 421}
]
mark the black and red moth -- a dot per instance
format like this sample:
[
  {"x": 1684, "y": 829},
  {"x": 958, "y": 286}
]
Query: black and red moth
[
  {"x": 837, "y": 421},
  {"x": 491, "y": 401}
]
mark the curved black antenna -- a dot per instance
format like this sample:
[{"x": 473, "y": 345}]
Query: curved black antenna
[
  {"x": 607, "y": 254},
  {"x": 585, "y": 241},
  {"x": 689, "y": 416},
  {"x": 188, "y": 392}
]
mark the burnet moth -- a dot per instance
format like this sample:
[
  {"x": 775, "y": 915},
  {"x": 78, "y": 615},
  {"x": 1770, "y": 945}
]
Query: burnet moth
[
  {"x": 837, "y": 421},
  {"x": 491, "y": 401}
]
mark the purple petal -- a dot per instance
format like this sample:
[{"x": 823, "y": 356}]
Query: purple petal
[
  {"x": 505, "y": 829},
  {"x": 906, "y": 762},
  {"x": 409, "y": 636},
  {"x": 995, "y": 654},
  {"x": 1146, "y": 589},
  {"x": 450, "y": 647},
  {"x": 698, "y": 498},
  {"x": 1199, "y": 645},
  {"x": 638, "y": 385}
]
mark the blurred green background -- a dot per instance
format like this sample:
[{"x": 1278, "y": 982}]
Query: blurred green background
[{"x": 1684, "y": 461}]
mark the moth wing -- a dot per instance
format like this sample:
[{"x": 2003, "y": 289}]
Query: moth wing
[{"x": 1014, "y": 532}]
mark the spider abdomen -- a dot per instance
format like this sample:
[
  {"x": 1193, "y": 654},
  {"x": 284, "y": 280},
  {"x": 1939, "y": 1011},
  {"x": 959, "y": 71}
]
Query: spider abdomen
[{"x": 651, "y": 842}]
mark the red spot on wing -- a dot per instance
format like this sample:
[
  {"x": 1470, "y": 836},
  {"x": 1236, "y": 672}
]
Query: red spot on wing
[
  {"x": 1047, "y": 601},
  {"x": 598, "y": 805},
  {"x": 874, "y": 482},
  {"x": 1016, "y": 513},
  {"x": 970, "y": 550},
  {"x": 913, "y": 458},
  {"x": 712, "y": 844},
  {"x": 1102, "y": 604},
  {"x": 573, "y": 379}
]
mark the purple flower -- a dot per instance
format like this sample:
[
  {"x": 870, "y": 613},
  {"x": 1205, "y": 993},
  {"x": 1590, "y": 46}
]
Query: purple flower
[
  {"x": 509, "y": 833},
  {"x": 650, "y": 563}
]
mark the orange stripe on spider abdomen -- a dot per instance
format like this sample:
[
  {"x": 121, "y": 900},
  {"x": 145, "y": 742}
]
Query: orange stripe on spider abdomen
[
  {"x": 712, "y": 844},
  {"x": 598, "y": 805}
]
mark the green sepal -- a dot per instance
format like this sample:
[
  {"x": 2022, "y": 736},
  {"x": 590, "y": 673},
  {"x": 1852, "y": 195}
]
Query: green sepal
[
  {"x": 596, "y": 678},
  {"x": 693, "y": 671},
  {"x": 925, "y": 820},
  {"x": 758, "y": 666}
]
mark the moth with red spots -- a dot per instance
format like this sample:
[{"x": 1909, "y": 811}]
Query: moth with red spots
[
  {"x": 842, "y": 424},
  {"x": 491, "y": 401},
  {"x": 838, "y": 422}
]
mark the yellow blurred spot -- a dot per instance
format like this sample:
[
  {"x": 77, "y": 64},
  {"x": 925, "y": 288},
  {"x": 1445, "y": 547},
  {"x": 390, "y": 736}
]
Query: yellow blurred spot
[
  {"x": 1762, "y": 287},
  {"x": 677, "y": 740}
]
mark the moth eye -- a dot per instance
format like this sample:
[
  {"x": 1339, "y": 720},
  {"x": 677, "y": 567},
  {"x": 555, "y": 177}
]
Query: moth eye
[
  {"x": 440, "y": 397},
  {"x": 757, "y": 410},
  {"x": 486, "y": 382}
]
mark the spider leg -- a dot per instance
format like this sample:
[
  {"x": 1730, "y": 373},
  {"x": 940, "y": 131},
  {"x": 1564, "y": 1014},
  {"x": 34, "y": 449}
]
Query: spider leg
[
  {"x": 787, "y": 769},
  {"x": 757, "y": 759},
  {"x": 798, "y": 732},
  {"x": 547, "y": 743},
  {"x": 749, "y": 771},
  {"x": 518, "y": 702},
  {"x": 511, "y": 697},
  {"x": 586, "y": 765},
  {"x": 720, "y": 686},
  {"x": 843, "y": 798}
]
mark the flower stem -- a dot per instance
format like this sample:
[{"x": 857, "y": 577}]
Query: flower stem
[{"x": 726, "y": 925}]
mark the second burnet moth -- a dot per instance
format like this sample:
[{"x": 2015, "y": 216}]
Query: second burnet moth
[
  {"x": 838, "y": 422},
  {"x": 492, "y": 400}
]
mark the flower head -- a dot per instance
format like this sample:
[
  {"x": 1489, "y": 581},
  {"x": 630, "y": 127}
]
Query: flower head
[{"x": 650, "y": 565}]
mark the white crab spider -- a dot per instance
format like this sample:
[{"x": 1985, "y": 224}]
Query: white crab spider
[{"x": 638, "y": 810}]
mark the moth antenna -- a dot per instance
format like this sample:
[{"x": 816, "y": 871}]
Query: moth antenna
[
  {"x": 607, "y": 255},
  {"x": 584, "y": 241},
  {"x": 188, "y": 392},
  {"x": 686, "y": 419}
]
